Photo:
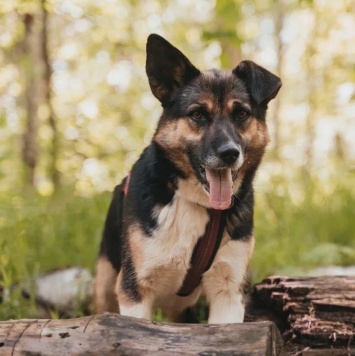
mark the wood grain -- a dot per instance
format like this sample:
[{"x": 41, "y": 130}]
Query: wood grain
[
  {"x": 112, "y": 334},
  {"x": 318, "y": 312}
]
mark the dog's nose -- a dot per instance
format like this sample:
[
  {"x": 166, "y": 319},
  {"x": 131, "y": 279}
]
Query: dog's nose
[{"x": 229, "y": 153}]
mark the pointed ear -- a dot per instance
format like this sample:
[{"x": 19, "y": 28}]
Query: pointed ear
[
  {"x": 167, "y": 68},
  {"x": 262, "y": 85}
]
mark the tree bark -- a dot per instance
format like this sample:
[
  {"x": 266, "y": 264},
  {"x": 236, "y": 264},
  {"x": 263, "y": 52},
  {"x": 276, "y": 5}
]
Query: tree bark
[
  {"x": 31, "y": 93},
  {"x": 313, "y": 312},
  {"x": 279, "y": 24},
  {"x": 47, "y": 97},
  {"x": 112, "y": 334}
]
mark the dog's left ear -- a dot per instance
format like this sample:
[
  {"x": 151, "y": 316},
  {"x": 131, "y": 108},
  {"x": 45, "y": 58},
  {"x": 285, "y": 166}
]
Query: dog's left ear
[
  {"x": 262, "y": 84},
  {"x": 167, "y": 68}
]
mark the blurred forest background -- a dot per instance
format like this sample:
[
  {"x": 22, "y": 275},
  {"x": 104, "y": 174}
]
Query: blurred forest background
[{"x": 76, "y": 111}]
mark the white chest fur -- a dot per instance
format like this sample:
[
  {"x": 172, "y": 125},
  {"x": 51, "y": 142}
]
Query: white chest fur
[{"x": 167, "y": 254}]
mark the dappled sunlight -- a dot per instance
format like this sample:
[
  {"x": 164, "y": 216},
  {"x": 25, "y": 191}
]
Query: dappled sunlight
[{"x": 98, "y": 72}]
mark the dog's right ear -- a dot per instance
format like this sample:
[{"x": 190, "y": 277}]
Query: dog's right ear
[{"x": 167, "y": 68}]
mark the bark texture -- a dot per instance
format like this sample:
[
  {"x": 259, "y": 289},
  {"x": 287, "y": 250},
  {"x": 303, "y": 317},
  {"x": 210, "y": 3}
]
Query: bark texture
[
  {"x": 47, "y": 96},
  {"x": 112, "y": 334},
  {"x": 32, "y": 73},
  {"x": 315, "y": 312},
  {"x": 316, "y": 316}
]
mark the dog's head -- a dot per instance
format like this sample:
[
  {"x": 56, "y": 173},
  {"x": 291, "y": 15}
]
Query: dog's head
[{"x": 213, "y": 123}]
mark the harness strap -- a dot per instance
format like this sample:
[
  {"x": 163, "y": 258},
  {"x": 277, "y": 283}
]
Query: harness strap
[
  {"x": 204, "y": 252},
  {"x": 205, "y": 249}
]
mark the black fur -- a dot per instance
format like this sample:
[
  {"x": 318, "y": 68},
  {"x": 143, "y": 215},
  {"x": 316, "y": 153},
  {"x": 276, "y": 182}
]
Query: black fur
[
  {"x": 262, "y": 84},
  {"x": 149, "y": 186},
  {"x": 169, "y": 72},
  {"x": 151, "y": 182},
  {"x": 111, "y": 244},
  {"x": 129, "y": 278}
]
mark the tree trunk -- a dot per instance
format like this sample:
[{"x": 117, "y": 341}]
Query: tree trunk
[
  {"x": 313, "y": 78},
  {"x": 111, "y": 334},
  {"x": 313, "y": 312},
  {"x": 279, "y": 23},
  {"x": 47, "y": 96},
  {"x": 31, "y": 92}
]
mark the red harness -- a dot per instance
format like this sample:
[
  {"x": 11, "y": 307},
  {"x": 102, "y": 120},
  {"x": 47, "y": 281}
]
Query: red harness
[{"x": 205, "y": 249}]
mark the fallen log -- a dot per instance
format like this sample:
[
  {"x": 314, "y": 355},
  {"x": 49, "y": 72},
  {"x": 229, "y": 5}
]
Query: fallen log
[
  {"x": 315, "y": 314},
  {"x": 112, "y": 334}
]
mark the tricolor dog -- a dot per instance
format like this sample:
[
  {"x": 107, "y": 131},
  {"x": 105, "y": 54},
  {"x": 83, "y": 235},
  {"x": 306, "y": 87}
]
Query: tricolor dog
[{"x": 181, "y": 224}]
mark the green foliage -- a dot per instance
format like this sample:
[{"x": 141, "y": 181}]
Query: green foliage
[
  {"x": 39, "y": 234},
  {"x": 299, "y": 231},
  {"x": 43, "y": 233}
]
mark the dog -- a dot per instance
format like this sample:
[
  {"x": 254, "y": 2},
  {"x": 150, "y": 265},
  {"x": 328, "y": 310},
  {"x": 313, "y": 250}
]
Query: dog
[{"x": 203, "y": 157}]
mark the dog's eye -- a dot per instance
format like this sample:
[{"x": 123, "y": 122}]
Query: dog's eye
[
  {"x": 196, "y": 114},
  {"x": 241, "y": 114}
]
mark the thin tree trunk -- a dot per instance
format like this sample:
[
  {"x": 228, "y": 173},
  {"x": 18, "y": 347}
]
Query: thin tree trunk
[
  {"x": 279, "y": 21},
  {"x": 47, "y": 74},
  {"x": 312, "y": 73},
  {"x": 30, "y": 145},
  {"x": 310, "y": 119}
]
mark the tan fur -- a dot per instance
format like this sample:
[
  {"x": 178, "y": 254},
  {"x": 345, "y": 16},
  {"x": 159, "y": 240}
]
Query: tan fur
[
  {"x": 122, "y": 299},
  {"x": 255, "y": 134},
  {"x": 173, "y": 306},
  {"x": 161, "y": 269},
  {"x": 135, "y": 245},
  {"x": 167, "y": 254},
  {"x": 104, "y": 295},
  {"x": 256, "y": 137},
  {"x": 230, "y": 103},
  {"x": 173, "y": 136},
  {"x": 222, "y": 282},
  {"x": 206, "y": 101}
]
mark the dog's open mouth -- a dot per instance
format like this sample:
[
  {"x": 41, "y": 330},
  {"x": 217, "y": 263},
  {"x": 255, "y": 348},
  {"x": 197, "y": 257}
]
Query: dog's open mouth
[{"x": 219, "y": 184}]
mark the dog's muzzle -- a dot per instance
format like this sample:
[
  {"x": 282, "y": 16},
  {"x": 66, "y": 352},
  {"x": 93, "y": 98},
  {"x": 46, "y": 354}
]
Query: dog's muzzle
[{"x": 218, "y": 174}]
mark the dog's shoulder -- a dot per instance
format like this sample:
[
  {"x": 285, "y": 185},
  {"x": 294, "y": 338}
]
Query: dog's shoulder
[{"x": 151, "y": 185}]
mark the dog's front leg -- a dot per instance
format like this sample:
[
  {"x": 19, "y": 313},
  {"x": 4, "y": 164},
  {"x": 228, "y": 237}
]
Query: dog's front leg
[
  {"x": 224, "y": 282},
  {"x": 132, "y": 300}
]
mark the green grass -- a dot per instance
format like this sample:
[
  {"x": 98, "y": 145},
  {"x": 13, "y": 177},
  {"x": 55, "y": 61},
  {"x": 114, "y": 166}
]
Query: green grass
[
  {"x": 293, "y": 232},
  {"x": 304, "y": 224},
  {"x": 39, "y": 234}
]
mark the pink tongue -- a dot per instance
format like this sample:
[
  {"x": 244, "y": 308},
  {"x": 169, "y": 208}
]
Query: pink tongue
[{"x": 220, "y": 188}]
